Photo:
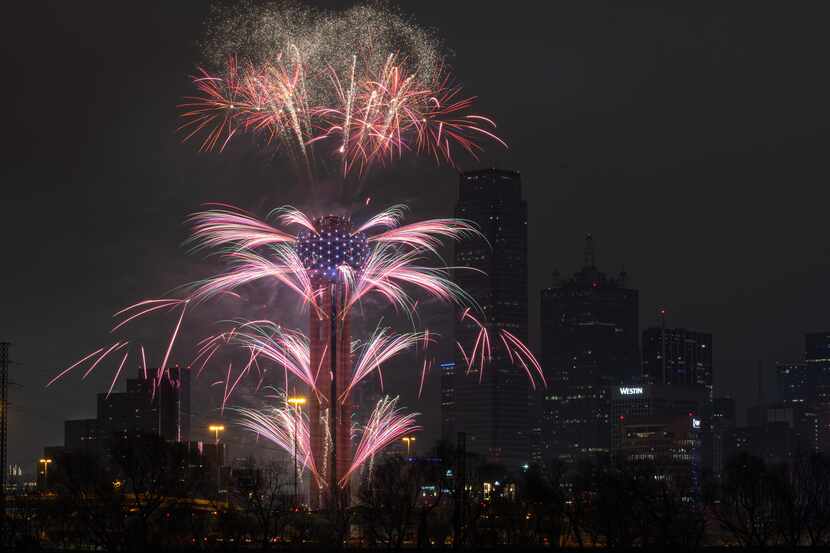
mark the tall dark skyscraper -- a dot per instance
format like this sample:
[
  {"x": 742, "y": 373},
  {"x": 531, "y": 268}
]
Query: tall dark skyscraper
[
  {"x": 448, "y": 401},
  {"x": 590, "y": 341},
  {"x": 677, "y": 356},
  {"x": 492, "y": 409}
]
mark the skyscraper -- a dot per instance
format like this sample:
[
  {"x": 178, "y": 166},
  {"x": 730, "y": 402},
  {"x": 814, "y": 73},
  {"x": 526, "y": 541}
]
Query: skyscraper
[
  {"x": 492, "y": 409},
  {"x": 590, "y": 338},
  {"x": 677, "y": 356},
  {"x": 448, "y": 401}
]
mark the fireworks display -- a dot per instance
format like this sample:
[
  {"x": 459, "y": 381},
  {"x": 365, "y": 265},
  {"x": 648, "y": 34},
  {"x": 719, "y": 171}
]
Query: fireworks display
[
  {"x": 381, "y": 258},
  {"x": 362, "y": 86}
]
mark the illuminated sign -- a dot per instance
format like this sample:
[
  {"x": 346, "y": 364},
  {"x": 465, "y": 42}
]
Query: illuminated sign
[
  {"x": 631, "y": 390},
  {"x": 696, "y": 424}
]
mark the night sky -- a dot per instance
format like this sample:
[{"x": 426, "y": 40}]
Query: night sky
[{"x": 691, "y": 141}]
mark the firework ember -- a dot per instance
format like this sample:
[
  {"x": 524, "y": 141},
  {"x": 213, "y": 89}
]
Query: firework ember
[{"x": 377, "y": 92}]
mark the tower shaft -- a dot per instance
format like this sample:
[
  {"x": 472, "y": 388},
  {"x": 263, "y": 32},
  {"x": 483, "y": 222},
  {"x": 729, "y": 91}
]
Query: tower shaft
[{"x": 330, "y": 348}]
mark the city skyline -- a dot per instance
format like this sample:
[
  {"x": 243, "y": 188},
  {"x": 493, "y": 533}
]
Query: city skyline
[{"x": 717, "y": 296}]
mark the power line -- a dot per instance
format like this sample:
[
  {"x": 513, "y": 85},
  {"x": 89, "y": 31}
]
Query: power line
[{"x": 4, "y": 426}]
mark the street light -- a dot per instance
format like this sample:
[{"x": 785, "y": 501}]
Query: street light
[
  {"x": 298, "y": 403},
  {"x": 216, "y": 429},
  {"x": 408, "y": 440},
  {"x": 45, "y": 463}
]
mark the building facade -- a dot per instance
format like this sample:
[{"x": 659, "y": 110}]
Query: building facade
[
  {"x": 143, "y": 409},
  {"x": 722, "y": 423},
  {"x": 677, "y": 356},
  {"x": 492, "y": 408},
  {"x": 807, "y": 383},
  {"x": 448, "y": 401},
  {"x": 630, "y": 402},
  {"x": 590, "y": 342},
  {"x": 661, "y": 425}
]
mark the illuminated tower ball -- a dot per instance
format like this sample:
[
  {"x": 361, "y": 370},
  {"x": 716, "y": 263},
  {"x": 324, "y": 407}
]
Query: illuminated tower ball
[
  {"x": 333, "y": 246},
  {"x": 324, "y": 254}
]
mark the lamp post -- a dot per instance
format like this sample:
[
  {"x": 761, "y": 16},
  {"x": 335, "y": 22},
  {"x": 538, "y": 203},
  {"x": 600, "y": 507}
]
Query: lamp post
[
  {"x": 408, "y": 440},
  {"x": 298, "y": 403},
  {"x": 45, "y": 463},
  {"x": 216, "y": 429}
]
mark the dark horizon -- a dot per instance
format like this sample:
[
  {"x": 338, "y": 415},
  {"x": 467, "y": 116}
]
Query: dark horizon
[{"x": 687, "y": 140}]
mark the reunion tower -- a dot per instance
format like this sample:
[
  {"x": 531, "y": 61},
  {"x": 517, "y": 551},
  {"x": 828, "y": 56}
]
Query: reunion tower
[{"x": 332, "y": 257}]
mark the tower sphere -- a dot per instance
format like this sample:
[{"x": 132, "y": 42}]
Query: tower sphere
[{"x": 334, "y": 246}]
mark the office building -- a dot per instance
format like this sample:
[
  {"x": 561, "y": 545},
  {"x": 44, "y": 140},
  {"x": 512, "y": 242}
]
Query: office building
[
  {"x": 641, "y": 401},
  {"x": 677, "y": 356},
  {"x": 492, "y": 408},
  {"x": 145, "y": 408},
  {"x": 590, "y": 342},
  {"x": 448, "y": 401},
  {"x": 661, "y": 425},
  {"x": 807, "y": 383}
]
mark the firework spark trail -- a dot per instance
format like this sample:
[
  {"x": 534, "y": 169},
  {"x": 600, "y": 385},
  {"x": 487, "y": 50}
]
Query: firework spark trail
[
  {"x": 229, "y": 391},
  {"x": 388, "y": 269},
  {"x": 279, "y": 426},
  {"x": 162, "y": 370},
  {"x": 226, "y": 382},
  {"x": 112, "y": 349},
  {"x": 69, "y": 369},
  {"x": 389, "y": 218},
  {"x": 246, "y": 267},
  {"x": 424, "y": 372},
  {"x": 426, "y": 235},
  {"x": 288, "y": 349},
  {"x": 481, "y": 348},
  {"x": 289, "y": 215},
  {"x": 229, "y": 226},
  {"x": 520, "y": 351},
  {"x": 144, "y": 362},
  {"x": 214, "y": 110},
  {"x": 380, "y": 348},
  {"x": 117, "y": 372},
  {"x": 386, "y": 425},
  {"x": 463, "y": 354},
  {"x": 155, "y": 306}
]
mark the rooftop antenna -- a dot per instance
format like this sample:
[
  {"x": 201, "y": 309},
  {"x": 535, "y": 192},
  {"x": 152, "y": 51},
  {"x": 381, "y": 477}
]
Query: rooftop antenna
[
  {"x": 760, "y": 383},
  {"x": 4, "y": 425},
  {"x": 664, "y": 349},
  {"x": 589, "y": 251}
]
